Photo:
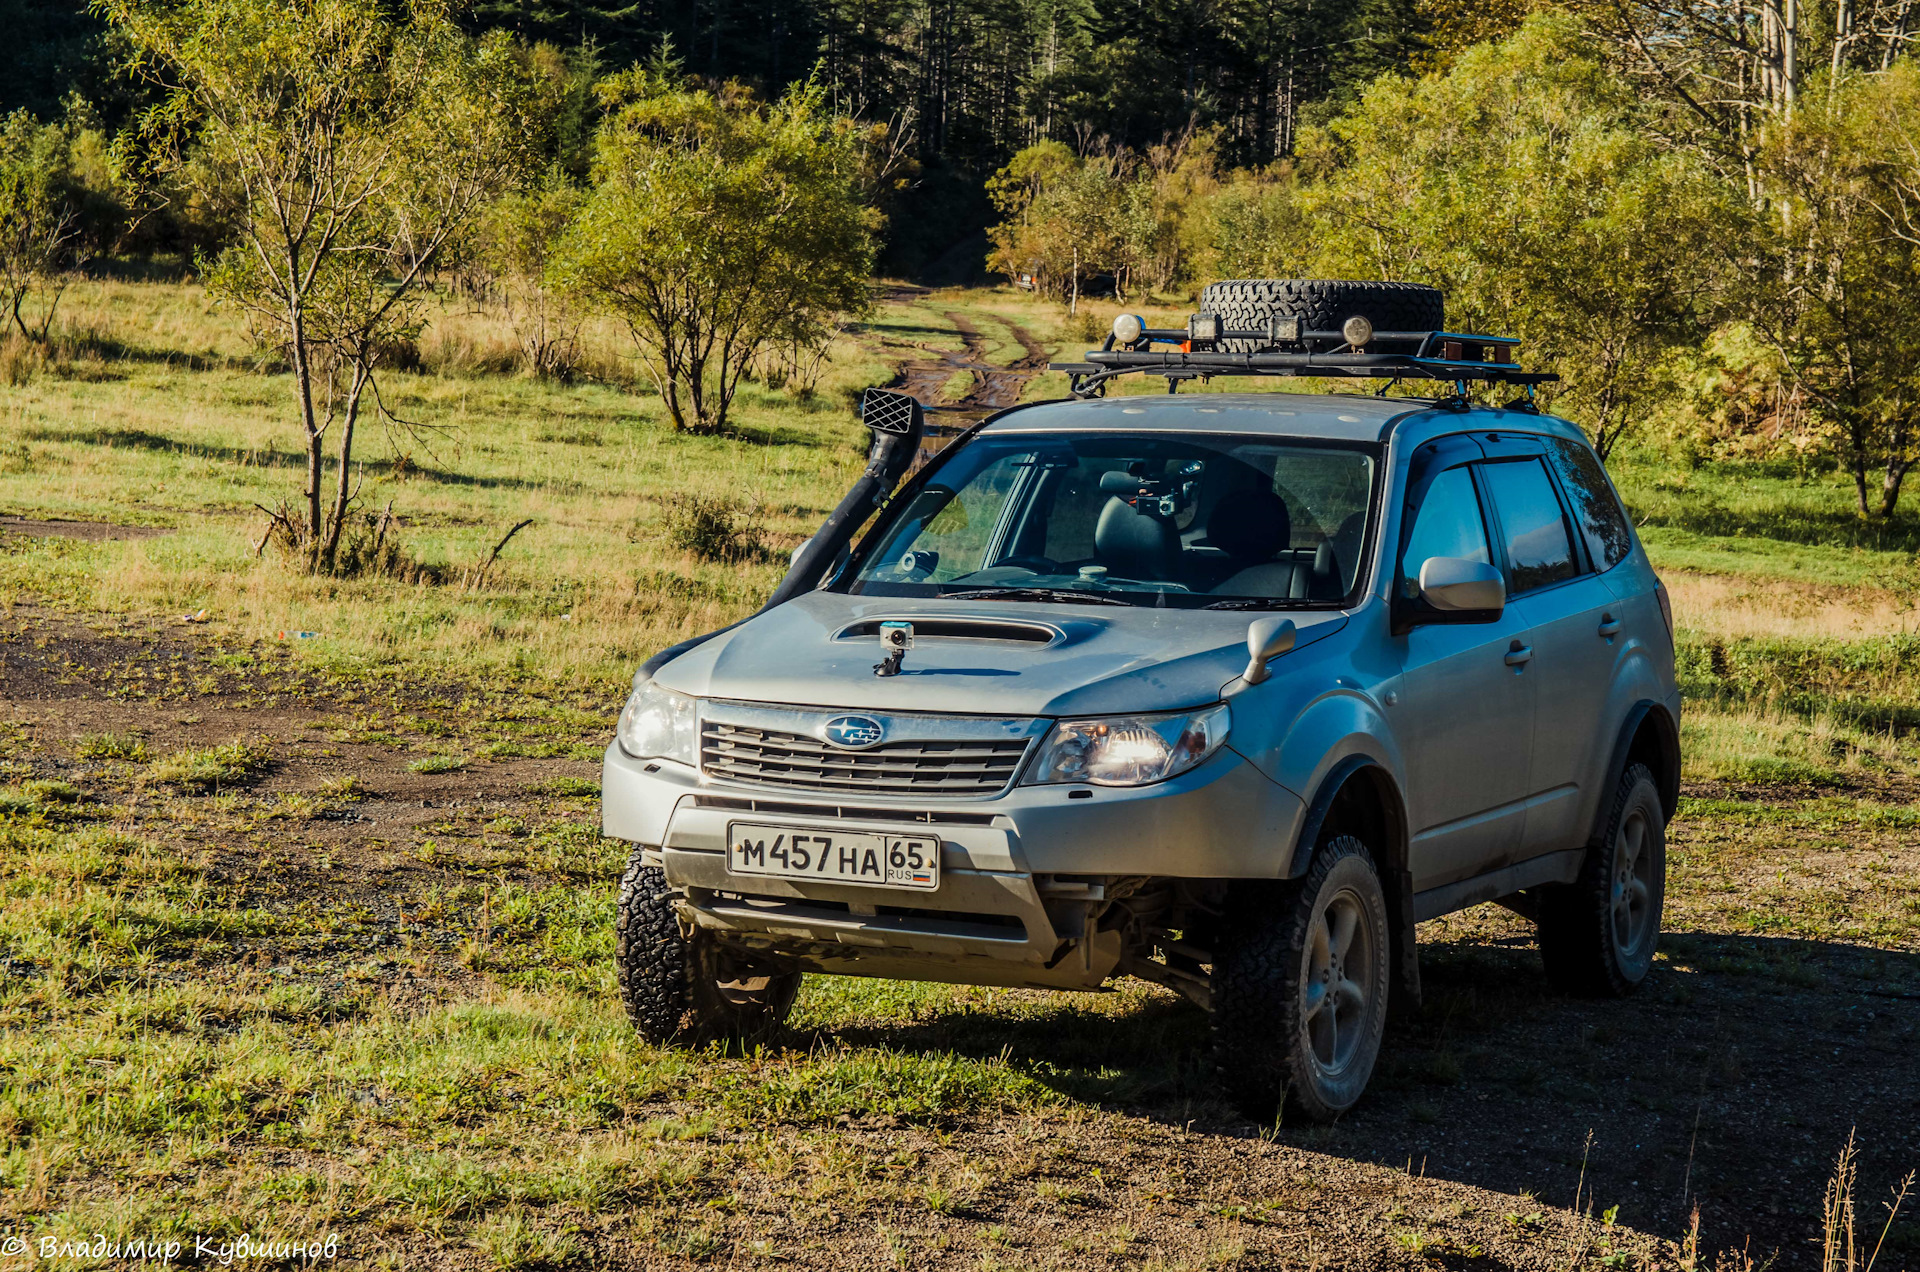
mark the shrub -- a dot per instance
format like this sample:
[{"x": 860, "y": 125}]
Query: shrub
[
  {"x": 20, "y": 360},
  {"x": 715, "y": 528}
]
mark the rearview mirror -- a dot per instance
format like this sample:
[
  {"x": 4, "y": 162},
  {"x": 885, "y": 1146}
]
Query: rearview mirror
[{"x": 1461, "y": 587}]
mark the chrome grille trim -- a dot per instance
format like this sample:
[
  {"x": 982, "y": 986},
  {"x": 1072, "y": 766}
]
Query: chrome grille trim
[{"x": 953, "y": 757}]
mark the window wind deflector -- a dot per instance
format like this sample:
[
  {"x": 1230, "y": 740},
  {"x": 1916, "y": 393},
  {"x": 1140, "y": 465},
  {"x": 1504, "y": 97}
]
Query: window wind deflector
[{"x": 1057, "y": 595}]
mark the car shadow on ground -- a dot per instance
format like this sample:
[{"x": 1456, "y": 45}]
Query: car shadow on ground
[{"x": 1730, "y": 1082}]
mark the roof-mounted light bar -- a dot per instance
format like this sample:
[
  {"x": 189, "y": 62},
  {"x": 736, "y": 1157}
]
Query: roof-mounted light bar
[{"x": 1284, "y": 347}]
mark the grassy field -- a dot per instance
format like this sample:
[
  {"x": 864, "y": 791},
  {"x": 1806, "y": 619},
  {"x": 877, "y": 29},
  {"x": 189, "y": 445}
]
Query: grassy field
[{"x": 304, "y": 916}]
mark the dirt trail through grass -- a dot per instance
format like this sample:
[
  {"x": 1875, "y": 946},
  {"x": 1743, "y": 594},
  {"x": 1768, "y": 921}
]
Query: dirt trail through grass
[{"x": 994, "y": 387}]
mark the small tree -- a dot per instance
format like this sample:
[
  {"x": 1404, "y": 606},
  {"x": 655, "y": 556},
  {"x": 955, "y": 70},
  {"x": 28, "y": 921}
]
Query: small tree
[
  {"x": 718, "y": 224},
  {"x": 516, "y": 242},
  {"x": 1838, "y": 280},
  {"x": 1525, "y": 184},
  {"x": 350, "y": 141},
  {"x": 40, "y": 224}
]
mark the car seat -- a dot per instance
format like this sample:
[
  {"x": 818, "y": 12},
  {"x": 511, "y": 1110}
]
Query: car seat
[
  {"x": 1134, "y": 544},
  {"x": 1251, "y": 526},
  {"x": 1336, "y": 559}
]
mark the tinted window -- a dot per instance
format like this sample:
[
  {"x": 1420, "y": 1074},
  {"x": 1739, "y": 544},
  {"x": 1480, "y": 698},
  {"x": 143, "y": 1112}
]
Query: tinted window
[
  {"x": 1596, "y": 510},
  {"x": 1538, "y": 549},
  {"x": 1448, "y": 525}
]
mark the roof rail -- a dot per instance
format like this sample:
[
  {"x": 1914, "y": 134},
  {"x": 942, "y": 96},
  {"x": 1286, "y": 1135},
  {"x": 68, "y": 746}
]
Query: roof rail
[{"x": 1283, "y": 348}]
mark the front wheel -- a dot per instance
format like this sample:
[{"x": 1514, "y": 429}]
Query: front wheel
[
  {"x": 688, "y": 988},
  {"x": 1300, "y": 986},
  {"x": 1598, "y": 934}
]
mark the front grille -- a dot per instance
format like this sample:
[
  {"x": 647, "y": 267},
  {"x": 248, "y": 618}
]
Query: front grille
[{"x": 772, "y": 757}]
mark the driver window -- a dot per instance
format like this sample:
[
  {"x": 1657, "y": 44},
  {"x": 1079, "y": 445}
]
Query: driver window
[{"x": 1448, "y": 525}]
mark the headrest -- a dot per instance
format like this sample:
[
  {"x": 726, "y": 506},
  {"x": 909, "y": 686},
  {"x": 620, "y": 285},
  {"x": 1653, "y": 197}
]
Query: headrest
[
  {"x": 1135, "y": 545},
  {"x": 1250, "y": 525}
]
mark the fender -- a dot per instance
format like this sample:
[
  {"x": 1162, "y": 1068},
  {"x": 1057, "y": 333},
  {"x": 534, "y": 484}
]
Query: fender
[
  {"x": 1322, "y": 803},
  {"x": 1666, "y": 765},
  {"x": 1396, "y": 877}
]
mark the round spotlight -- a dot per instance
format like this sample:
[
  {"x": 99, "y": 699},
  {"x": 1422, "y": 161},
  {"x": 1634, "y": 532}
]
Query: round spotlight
[
  {"x": 1357, "y": 331},
  {"x": 1127, "y": 329}
]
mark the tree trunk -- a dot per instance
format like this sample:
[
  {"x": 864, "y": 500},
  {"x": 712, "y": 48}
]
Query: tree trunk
[
  {"x": 303, "y": 388},
  {"x": 343, "y": 490},
  {"x": 1898, "y": 464},
  {"x": 1890, "y": 487},
  {"x": 315, "y": 431},
  {"x": 1857, "y": 462}
]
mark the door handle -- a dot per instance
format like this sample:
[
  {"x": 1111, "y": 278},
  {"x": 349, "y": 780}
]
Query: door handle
[
  {"x": 1519, "y": 655},
  {"x": 1609, "y": 625}
]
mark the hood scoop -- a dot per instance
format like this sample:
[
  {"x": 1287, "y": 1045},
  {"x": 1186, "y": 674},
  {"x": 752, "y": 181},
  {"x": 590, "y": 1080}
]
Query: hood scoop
[{"x": 961, "y": 627}]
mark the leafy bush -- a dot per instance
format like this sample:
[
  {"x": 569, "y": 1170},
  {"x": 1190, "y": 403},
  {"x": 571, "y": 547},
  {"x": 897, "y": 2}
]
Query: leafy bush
[
  {"x": 715, "y": 528},
  {"x": 20, "y": 360}
]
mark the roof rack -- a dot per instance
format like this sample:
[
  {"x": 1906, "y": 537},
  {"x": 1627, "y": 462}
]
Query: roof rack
[{"x": 1283, "y": 348}]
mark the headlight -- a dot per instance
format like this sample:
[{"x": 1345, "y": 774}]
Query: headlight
[
  {"x": 1130, "y": 750},
  {"x": 658, "y": 723}
]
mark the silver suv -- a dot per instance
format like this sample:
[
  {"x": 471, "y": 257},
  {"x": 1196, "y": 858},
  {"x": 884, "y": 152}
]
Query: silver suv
[{"x": 1226, "y": 692}]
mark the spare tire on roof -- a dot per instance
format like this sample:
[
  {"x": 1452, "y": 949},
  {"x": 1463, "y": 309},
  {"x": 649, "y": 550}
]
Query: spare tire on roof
[{"x": 1323, "y": 304}]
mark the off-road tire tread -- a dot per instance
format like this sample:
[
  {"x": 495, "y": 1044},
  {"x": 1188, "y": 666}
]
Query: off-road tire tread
[
  {"x": 649, "y": 955},
  {"x": 1245, "y": 304},
  {"x": 1256, "y": 1003},
  {"x": 1573, "y": 928}
]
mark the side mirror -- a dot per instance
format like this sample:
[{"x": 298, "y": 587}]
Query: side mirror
[
  {"x": 1455, "y": 585},
  {"x": 1267, "y": 639}
]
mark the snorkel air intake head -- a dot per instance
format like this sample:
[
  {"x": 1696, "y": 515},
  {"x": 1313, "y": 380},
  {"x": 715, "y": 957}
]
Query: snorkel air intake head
[{"x": 896, "y": 422}]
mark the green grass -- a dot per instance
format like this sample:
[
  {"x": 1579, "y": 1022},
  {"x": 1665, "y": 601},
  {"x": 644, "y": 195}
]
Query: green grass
[
  {"x": 500, "y": 1121},
  {"x": 112, "y": 746},
  {"x": 231, "y": 764},
  {"x": 200, "y": 1034}
]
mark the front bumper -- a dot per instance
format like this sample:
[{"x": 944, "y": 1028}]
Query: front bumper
[{"x": 1022, "y": 873}]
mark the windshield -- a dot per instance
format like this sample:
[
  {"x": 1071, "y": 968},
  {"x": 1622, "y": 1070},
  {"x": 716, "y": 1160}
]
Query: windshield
[{"x": 1223, "y": 521}]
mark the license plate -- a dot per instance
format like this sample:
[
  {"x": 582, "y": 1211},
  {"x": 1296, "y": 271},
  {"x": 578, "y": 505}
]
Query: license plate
[{"x": 834, "y": 856}]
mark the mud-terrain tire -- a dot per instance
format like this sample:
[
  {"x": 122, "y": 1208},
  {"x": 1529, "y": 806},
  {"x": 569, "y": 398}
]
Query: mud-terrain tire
[
  {"x": 1324, "y": 304},
  {"x": 1298, "y": 1015},
  {"x": 688, "y": 989},
  {"x": 1598, "y": 934}
]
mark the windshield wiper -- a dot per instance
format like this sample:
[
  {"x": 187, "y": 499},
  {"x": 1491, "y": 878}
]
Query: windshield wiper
[
  {"x": 1058, "y": 595},
  {"x": 1251, "y": 603}
]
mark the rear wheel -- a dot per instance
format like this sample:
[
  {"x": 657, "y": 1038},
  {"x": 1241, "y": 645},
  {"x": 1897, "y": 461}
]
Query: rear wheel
[
  {"x": 688, "y": 988},
  {"x": 1300, "y": 986},
  {"x": 1598, "y": 934}
]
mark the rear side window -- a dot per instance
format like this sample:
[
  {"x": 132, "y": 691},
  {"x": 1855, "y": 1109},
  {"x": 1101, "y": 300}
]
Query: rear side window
[
  {"x": 1596, "y": 509},
  {"x": 1539, "y": 551},
  {"x": 1447, "y": 525}
]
